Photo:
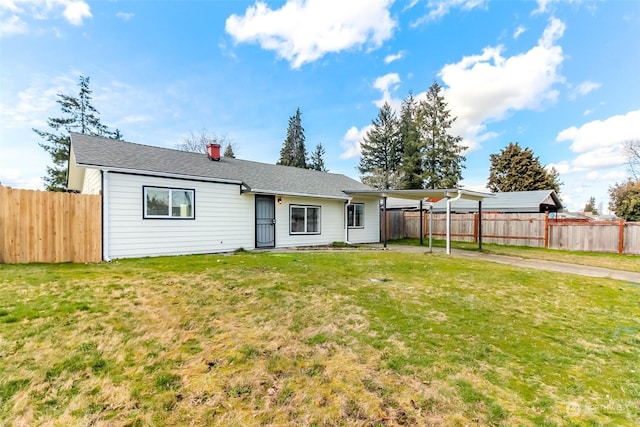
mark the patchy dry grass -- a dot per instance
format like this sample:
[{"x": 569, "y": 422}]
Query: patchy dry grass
[
  {"x": 343, "y": 338},
  {"x": 595, "y": 259}
]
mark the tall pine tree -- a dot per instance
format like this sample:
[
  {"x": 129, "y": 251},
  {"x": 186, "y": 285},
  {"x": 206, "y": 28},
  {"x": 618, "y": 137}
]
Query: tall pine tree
[
  {"x": 518, "y": 169},
  {"x": 442, "y": 153},
  {"x": 79, "y": 115},
  {"x": 411, "y": 166},
  {"x": 293, "y": 152},
  {"x": 316, "y": 161},
  {"x": 381, "y": 152}
]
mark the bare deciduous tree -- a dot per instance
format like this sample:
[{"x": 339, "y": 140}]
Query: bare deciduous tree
[
  {"x": 632, "y": 151},
  {"x": 197, "y": 142}
]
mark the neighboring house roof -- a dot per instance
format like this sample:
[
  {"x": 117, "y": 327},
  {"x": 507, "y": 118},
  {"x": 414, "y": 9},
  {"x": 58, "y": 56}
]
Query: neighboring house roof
[
  {"x": 507, "y": 202},
  {"x": 111, "y": 154}
]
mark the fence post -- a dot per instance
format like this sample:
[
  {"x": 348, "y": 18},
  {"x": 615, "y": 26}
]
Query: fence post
[
  {"x": 546, "y": 230},
  {"x": 475, "y": 228},
  {"x": 621, "y": 238}
]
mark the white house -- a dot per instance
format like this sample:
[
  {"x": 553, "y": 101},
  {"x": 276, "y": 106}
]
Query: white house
[{"x": 158, "y": 201}]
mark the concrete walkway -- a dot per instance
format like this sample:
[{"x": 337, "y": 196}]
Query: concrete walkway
[{"x": 561, "y": 267}]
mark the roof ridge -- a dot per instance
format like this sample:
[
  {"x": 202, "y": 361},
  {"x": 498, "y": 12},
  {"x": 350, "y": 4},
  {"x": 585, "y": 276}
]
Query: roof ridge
[{"x": 232, "y": 159}]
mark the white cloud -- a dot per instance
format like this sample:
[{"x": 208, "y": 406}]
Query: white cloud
[
  {"x": 562, "y": 167},
  {"x": 35, "y": 103},
  {"x": 125, "y": 16},
  {"x": 12, "y": 25},
  {"x": 303, "y": 31},
  {"x": 390, "y": 58},
  {"x": 13, "y": 13},
  {"x": 440, "y": 8},
  {"x": 585, "y": 87},
  {"x": 600, "y": 158},
  {"x": 387, "y": 84},
  {"x": 75, "y": 11},
  {"x": 15, "y": 179},
  {"x": 602, "y": 133},
  {"x": 545, "y": 6},
  {"x": 487, "y": 87},
  {"x": 351, "y": 141},
  {"x": 519, "y": 31}
]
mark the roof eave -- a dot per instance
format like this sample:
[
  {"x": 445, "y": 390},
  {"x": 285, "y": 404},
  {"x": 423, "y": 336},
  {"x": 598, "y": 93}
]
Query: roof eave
[
  {"x": 160, "y": 174},
  {"x": 294, "y": 194}
]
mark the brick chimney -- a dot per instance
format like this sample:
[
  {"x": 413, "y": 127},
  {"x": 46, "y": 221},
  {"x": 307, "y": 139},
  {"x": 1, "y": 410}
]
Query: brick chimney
[{"x": 213, "y": 152}]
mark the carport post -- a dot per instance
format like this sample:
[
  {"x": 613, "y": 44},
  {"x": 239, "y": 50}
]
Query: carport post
[
  {"x": 480, "y": 224},
  {"x": 384, "y": 221},
  {"x": 421, "y": 231}
]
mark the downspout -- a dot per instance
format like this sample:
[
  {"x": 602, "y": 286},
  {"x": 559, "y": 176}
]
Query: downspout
[
  {"x": 105, "y": 216},
  {"x": 449, "y": 201},
  {"x": 346, "y": 220}
]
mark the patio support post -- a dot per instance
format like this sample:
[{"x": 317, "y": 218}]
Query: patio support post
[
  {"x": 384, "y": 214},
  {"x": 448, "y": 226},
  {"x": 421, "y": 230},
  {"x": 430, "y": 227},
  {"x": 480, "y": 224}
]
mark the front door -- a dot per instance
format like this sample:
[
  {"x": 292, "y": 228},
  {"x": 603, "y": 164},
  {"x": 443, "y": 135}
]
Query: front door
[{"x": 265, "y": 222}]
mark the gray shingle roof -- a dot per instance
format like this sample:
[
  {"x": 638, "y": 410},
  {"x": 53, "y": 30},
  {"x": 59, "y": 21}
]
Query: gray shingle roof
[{"x": 105, "y": 153}]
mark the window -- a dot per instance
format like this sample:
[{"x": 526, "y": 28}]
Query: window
[
  {"x": 355, "y": 215},
  {"x": 305, "y": 219},
  {"x": 168, "y": 203}
]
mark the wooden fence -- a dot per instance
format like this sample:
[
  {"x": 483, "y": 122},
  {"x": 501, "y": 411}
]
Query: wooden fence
[
  {"x": 39, "y": 226},
  {"x": 536, "y": 230}
]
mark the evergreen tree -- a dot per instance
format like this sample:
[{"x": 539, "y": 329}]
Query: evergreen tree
[
  {"x": 517, "y": 169},
  {"x": 442, "y": 153},
  {"x": 411, "y": 167},
  {"x": 79, "y": 115},
  {"x": 316, "y": 161},
  {"x": 228, "y": 151},
  {"x": 293, "y": 152},
  {"x": 381, "y": 153},
  {"x": 591, "y": 206}
]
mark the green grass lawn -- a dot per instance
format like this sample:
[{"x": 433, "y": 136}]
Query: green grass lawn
[
  {"x": 320, "y": 338},
  {"x": 595, "y": 259}
]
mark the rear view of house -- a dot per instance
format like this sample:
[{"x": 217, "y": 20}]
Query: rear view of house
[{"x": 158, "y": 201}]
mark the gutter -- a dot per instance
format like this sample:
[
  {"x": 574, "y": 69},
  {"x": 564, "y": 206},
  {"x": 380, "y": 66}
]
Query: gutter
[{"x": 293, "y": 194}]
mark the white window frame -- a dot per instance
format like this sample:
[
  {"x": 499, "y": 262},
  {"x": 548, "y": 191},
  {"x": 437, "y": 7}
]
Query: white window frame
[
  {"x": 306, "y": 217},
  {"x": 170, "y": 191},
  {"x": 351, "y": 220}
]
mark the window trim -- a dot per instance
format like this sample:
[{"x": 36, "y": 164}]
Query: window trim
[
  {"x": 355, "y": 205},
  {"x": 306, "y": 208},
  {"x": 145, "y": 188}
]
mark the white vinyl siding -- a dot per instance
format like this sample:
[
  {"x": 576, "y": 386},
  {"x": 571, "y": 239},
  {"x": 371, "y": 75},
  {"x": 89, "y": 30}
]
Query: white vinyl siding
[
  {"x": 224, "y": 219},
  {"x": 370, "y": 233},
  {"x": 92, "y": 183}
]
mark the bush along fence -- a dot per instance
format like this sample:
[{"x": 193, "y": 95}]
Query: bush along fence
[
  {"x": 40, "y": 226},
  {"x": 527, "y": 229}
]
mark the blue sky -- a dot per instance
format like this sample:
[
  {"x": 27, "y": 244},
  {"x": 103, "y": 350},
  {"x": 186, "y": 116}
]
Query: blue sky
[{"x": 559, "y": 77}]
